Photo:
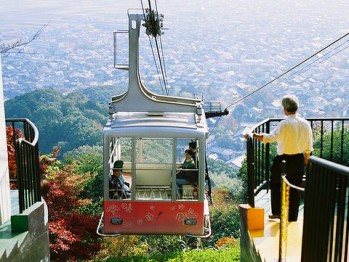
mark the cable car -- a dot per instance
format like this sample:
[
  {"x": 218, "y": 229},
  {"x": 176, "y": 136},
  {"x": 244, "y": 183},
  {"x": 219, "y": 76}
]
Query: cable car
[{"x": 147, "y": 137}]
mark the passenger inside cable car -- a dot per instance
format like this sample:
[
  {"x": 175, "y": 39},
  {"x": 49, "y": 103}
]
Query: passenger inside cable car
[
  {"x": 193, "y": 147},
  {"x": 147, "y": 166},
  {"x": 118, "y": 187},
  {"x": 185, "y": 176}
]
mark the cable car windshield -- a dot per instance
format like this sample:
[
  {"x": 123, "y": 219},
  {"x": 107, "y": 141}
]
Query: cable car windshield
[{"x": 152, "y": 168}]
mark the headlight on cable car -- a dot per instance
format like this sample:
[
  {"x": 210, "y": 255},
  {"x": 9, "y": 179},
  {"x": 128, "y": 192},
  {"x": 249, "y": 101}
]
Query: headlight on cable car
[
  {"x": 190, "y": 221},
  {"x": 116, "y": 221}
]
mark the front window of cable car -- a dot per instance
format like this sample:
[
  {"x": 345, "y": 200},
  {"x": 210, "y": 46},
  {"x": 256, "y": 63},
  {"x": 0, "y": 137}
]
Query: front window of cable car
[
  {"x": 153, "y": 168},
  {"x": 153, "y": 161}
]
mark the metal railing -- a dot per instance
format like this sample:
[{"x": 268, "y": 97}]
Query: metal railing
[
  {"x": 27, "y": 161},
  {"x": 331, "y": 142},
  {"x": 326, "y": 212},
  {"x": 214, "y": 109},
  {"x": 326, "y": 194}
]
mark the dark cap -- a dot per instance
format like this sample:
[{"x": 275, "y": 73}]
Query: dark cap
[
  {"x": 118, "y": 164},
  {"x": 190, "y": 152}
]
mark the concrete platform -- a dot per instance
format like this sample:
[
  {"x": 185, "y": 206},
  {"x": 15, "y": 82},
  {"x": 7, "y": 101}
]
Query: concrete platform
[{"x": 266, "y": 241}]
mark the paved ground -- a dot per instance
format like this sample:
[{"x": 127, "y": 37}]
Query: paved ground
[
  {"x": 263, "y": 200},
  {"x": 267, "y": 241}
]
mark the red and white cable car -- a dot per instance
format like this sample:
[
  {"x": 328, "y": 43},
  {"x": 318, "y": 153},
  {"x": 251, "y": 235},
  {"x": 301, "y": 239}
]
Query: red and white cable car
[{"x": 150, "y": 133}]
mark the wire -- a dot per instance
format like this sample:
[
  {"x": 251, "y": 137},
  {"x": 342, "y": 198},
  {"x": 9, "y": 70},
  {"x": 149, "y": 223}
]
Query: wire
[
  {"x": 161, "y": 61},
  {"x": 215, "y": 124},
  {"x": 155, "y": 62},
  {"x": 162, "y": 52},
  {"x": 160, "y": 56},
  {"x": 321, "y": 59},
  {"x": 289, "y": 70},
  {"x": 161, "y": 65},
  {"x": 142, "y": 7}
]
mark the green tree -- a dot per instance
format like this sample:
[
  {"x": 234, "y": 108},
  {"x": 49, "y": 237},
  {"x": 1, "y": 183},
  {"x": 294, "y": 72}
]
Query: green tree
[
  {"x": 88, "y": 161},
  {"x": 68, "y": 121},
  {"x": 332, "y": 146}
]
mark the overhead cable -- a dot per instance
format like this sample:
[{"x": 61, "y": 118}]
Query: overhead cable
[
  {"x": 289, "y": 70},
  {"x": 159, "y": 56}
]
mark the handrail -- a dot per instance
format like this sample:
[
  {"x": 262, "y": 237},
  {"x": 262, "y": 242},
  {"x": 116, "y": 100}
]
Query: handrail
[
  {"x": 293, "y": 186},
  {"x": 27, "y": 162},
  {"x": 27, "y": 133},
  {"x": 325, "y": 227}
]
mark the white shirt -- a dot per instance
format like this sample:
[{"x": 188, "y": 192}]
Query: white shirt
[{"x": 293, "y": 135}]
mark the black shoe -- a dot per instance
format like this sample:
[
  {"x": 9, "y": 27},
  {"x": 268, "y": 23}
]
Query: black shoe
[{"x": 274, "y": 216}]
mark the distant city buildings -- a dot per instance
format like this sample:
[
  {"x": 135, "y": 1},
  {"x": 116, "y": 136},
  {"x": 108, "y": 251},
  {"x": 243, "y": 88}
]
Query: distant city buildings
[{"x": 218, "y": 57}]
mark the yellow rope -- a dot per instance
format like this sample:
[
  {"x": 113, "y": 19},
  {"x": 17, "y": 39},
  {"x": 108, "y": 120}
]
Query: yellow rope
[{"x": 285, "y": 195}]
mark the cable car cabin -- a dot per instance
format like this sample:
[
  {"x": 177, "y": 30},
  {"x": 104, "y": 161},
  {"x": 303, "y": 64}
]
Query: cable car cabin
[
  {"x": 152, "y": 148},
  {"x": 146, "y": 138}
]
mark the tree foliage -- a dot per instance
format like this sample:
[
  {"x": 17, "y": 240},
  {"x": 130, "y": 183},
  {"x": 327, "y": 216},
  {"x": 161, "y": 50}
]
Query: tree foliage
[
  {"x": 88, "y": 161},
  {"x": 332, "y": 145},
  {"x": 72, "y": 233},
  {"x": 11, "y": 136},
  {"x": 67, "y": 120},
  {"x": 225, "y": 219}
]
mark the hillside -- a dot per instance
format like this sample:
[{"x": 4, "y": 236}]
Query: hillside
[{"x": 67, "y": 120}]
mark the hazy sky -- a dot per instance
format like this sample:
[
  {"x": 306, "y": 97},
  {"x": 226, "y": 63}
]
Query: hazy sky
[{"x": 23, "y": 13}]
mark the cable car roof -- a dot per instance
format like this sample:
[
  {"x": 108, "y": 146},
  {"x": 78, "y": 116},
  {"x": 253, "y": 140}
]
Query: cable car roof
[
  {"x": 154, "y": 119},
  {"x": 141, "y": 112}
]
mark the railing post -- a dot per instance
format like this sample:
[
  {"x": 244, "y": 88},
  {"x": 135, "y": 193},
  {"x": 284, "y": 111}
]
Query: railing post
[
  {"x": 20, "y": 183},
  {"x": 267, "y": 158},
  {"x": 250, "y": 171}
]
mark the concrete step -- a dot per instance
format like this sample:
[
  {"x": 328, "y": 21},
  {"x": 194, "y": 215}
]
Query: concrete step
[{"x": 10, "y": 242}]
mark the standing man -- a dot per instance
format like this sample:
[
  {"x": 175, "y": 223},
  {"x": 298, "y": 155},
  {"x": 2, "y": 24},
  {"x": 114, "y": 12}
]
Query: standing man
[{"x": 294, "y": 145}]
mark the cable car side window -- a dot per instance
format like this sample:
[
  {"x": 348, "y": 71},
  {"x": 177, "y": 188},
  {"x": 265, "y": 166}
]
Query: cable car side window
[
  {"x": 182, "y": 145},
  {"x": 119, "y": 163},
  {"x": 187, "y": 172},
  {"x": 153, "y": 168}
]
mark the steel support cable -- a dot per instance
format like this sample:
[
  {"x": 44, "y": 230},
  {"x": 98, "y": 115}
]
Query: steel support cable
[
  {"x": 289, "y": 70},
  {"x": 149, "y": 3},
  {"x": 151, "y": 45},
  {"x": 161, "y": 61},
  {"x": 156, "y": 64},
  {"x": 161, "y": 65},
  {"x": 217, "y": 122},
  {"x": 163, "y": 84},
  {"x": 142, "y": 8},
  {"x": 323, "y": 58}
]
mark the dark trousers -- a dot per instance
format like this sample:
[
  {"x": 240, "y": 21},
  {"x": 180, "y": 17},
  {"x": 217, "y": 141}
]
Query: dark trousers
[{"x": 294, "y": 174}]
